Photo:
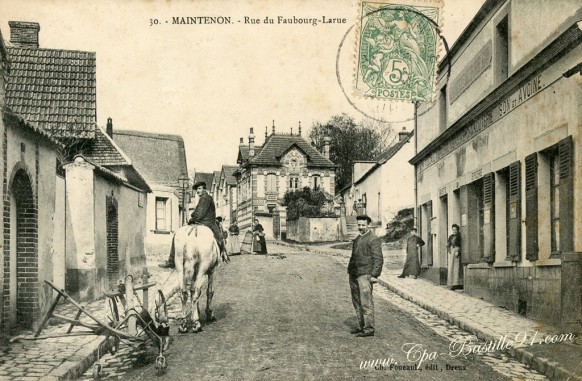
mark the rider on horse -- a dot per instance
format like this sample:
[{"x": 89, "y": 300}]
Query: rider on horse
[{"x": 204, "y": 214}]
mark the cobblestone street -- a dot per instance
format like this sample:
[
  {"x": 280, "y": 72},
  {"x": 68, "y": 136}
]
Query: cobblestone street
[{"x": 288, "y": 316}]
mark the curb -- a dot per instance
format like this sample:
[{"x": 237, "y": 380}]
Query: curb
[
  {"x": 550, "y": 369},
  {"x": 78, "y": 364}
]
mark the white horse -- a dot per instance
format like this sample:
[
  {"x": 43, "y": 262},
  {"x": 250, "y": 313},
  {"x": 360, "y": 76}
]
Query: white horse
[{"x": 197, "y": 256}]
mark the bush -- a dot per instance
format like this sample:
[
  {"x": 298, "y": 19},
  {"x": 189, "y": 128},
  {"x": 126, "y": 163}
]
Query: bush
[
  {"x": 400, "y": 225},
  {"x": 308, "y": 203}
]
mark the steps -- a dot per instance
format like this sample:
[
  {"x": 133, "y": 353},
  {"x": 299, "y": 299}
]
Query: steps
[{"x": 352, "y": 228}]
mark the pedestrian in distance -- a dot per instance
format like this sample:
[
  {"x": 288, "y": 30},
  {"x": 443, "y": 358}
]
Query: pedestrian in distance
[
  {"x": 364, "y": 268},
  {"x": 412, "y": 264},
  {"x": 259, "y": 244},
  {"x": 233, "y": 245},
  {"x": 454, "y": 259}
]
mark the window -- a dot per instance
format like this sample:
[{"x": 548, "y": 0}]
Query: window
[
  {"x": 293, "y": 183},
  {"x": 549, "y": 201},
  {"x": 161, "y": 211},
  {"x": 502, "y": 51},
  {"x": 443, "y": 109},
  {"x": 316, "y": 182},
  {"x": 271, "y": 182}
]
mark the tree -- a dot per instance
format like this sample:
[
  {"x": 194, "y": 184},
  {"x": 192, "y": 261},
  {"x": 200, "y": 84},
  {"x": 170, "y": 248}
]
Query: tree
[
  {"x": 350, "y": 141},
  {"x": 308, "y": 203}
]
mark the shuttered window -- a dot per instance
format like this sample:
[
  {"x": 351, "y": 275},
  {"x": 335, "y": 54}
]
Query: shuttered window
[
  {"x": 531, "y": 207},
  {"x": 566, "y": 193},
  {"x": 271, "y": 182},
  {"x": 514, "y": 213},
  {"x": 488, "y": 226}
]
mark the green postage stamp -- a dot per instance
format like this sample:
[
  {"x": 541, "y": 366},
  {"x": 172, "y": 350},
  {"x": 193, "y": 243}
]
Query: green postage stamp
[{"x": 397, "y": 50}]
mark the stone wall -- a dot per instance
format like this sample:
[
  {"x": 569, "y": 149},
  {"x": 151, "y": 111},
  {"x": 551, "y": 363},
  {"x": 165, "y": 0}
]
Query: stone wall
[{"x": 322, "y": 229}]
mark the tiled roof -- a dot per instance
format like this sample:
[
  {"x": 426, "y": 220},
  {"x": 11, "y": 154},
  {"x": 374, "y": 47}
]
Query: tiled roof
[
  {"x": 229, "y": 174},
  {"x": 54, "y": 89},
  {"x": 204, "y": 176},
  {"x": 160, "y": 158},
  {"x": 276, "y": 145},
  {"x": 103, "y": 151},
  {"x": 215, "y": 178}
]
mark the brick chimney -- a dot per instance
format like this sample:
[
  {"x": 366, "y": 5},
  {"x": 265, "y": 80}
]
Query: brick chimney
[
  {"x": 326, "y": 143},
  {"x": 110, "y": 127},
  {"x": 24, "y": 34},
  {"x": 300, "y": 128},
  {"x": 403, "y": 135},
  {"x": 273, "y": 126},
  {"x": 251, "y": 143},
  {"x": 242, "y": 142}
]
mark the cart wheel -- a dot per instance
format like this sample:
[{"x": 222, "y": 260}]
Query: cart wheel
[
  {"x": 161, "y": 314},
  {"x": 160, "y": 364},
  {"x": 113, "y": 314}
]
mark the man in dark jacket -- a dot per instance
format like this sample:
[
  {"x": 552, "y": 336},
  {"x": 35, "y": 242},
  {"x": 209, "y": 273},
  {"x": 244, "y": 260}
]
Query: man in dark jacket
[
  {"x": 364, "y": 268},
  {"x": 204, "y": 214}
]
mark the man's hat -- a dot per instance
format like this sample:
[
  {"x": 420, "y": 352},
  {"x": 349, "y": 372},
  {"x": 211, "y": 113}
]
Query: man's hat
[
  {"x": 364, "y": 217},
  {"x": 199, "y": 184},
  {"x": 219, "y": 219},
  {"x": 414, "y": 228}
]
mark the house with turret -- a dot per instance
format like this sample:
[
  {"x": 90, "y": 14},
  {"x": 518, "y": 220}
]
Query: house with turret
[{"x": 284, "y": 162}]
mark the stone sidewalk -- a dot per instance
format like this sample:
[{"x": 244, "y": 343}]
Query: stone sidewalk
[
  {"x": 558, "y": 361},
  {"x": 63, "y": 356}
]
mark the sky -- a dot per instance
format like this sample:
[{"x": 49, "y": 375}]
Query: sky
[{"x": 211, "y": 83}]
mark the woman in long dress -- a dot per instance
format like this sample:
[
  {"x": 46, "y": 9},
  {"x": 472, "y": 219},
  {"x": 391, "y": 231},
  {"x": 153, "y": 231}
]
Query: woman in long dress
[
  {"x": 259, "y": 246},
  {"x": 454, "y": 260},
  {"x": 233, "y": 244},
  {"x": 412, "y": 264}
]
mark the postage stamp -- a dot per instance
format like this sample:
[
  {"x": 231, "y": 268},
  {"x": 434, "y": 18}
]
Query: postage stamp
[{"x": 396, "y": 53}]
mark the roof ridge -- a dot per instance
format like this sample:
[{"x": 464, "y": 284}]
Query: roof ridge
[
  {"x": 174, "y": 137},
  {"x": 51, "y": 49}
]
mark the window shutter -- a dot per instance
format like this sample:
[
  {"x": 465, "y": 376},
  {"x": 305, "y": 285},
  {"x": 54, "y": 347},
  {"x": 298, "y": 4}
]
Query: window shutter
[
  {"x": 531, "y": 207},
  {"x": 489, "y": 217},
  {"x": 429, "y": 248},
  {"x": 514, "y": 223},
  {"x": 566, "y": 195},
  {"x": 464, "y": 229}
]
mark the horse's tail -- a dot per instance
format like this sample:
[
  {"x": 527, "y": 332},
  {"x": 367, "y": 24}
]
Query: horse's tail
[{"x": 173, "y": 247}]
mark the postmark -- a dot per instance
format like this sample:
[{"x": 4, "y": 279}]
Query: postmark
[{"x": 397, "y": 50}]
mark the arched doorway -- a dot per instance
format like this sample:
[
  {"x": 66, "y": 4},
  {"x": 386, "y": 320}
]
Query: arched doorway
[{"x": 22, "y": 255}]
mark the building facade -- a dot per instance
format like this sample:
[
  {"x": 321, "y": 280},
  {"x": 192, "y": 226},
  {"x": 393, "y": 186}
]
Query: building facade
[
  {"x": 376, "y": 189},
  {"x": 55, "y": 227},
  {"x": 497, "y": 154},
  {"x": 161, "y": 158},
  {"x": 285, "y": 162}
]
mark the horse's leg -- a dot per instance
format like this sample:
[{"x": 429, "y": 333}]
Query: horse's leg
[
  {"x": 209, "y": 294},
  {"x": 198, "y": 284},
  {"x": 185, "y": 295}
]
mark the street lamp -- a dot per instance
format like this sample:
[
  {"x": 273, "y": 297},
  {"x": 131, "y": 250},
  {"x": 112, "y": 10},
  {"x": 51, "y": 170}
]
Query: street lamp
[{"x": 183, "y": 183}]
